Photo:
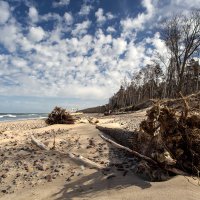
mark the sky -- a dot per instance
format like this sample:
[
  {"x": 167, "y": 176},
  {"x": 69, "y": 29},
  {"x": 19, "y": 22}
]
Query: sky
[{"x": 75, "y": 53}]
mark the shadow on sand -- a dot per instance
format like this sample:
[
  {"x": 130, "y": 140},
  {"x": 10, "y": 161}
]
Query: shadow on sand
[
  {"x": 92, "y": 184},
  {"x": 89, "y": 186}
]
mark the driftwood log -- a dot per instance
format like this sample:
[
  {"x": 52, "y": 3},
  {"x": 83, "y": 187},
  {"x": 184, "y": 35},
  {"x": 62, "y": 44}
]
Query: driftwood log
[
  {"x": 171, "y": 169},
  {"x": 38, "y": 143},
  {"x": 73, "y": 156},
  {"x": 135, "y": 153},
  {"x": 85, "y": 161}
]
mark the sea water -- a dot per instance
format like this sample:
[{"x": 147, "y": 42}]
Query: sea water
[{"x": 21, "y": 116}]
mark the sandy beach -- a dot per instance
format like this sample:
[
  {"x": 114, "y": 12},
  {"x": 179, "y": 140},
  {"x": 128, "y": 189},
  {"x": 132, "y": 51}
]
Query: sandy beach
[{"x": 28, "y": 172}]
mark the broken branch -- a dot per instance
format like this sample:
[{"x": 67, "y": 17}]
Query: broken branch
[
  {"x": 174, "y": 170},
  {"x": 185, "y": 105},
  {"x": 85, "y": 161},
  {"x": 129, "y": 150},
  {"x": 38, "y": 143}
]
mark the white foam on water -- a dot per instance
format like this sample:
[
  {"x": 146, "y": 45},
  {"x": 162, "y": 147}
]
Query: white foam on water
[{"x": 9, "y": 115}]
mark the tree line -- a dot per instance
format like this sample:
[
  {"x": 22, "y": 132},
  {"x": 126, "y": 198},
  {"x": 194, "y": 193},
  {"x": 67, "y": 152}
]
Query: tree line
[{"x": 167, "y": 77}]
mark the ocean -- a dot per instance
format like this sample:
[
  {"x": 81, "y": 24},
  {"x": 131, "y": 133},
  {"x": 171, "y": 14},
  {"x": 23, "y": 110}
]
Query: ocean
[{"x": 21, "y": 116}]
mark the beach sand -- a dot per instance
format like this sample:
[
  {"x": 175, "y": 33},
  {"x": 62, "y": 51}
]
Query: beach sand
[{"x": 30, "y": 173}]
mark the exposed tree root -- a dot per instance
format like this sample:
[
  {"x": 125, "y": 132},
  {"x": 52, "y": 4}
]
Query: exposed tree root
[
  {"x": 179, "y": 130},
  {"x": 168, "y": 139},
  {"x": 60, "y": 116}
]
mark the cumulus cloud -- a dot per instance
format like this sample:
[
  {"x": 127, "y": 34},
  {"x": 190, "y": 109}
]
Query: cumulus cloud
[
  {"x": 110, "y": 16},
  {"x": 50, "y": 16},
  {"x": 81, "y": 28},
  {"x": 61, "y": 3},
  {"x": 36, "y": 34},
  {"x": 68, "y": 18},
  {"x": 175, "y": 7},
  {"x": 4, "y": 12},
  {"x": 119, "y": 46},
  {"x": 85, "y": 9},
  {"x": 100, "y": 16},
  {"x": 33, "y": 14},
  {"x": 10, "y": 35},
  {"x": 110, "y": 29},
  {"x": 138, "y": 23},
  {"x": 71, "y": 60},
  {"x": 159, "y": 48}
]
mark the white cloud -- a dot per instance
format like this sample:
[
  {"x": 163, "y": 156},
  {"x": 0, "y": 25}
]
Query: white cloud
[
  {"x": 158, "y": 43},
  {"x": 50, "y": 16},
  {"x": 159, "y": 47},
  {"x": 135, "y": 53},
  {"x": 119, "y": 46},
  {"x": 19, "y": 62},
  {"x": 68, "y": 18},
  {"x": 4, "y": 12},
  {"x": 33, "y": 14},
  {"x": 176, "y": 7},
  {"x": 25, "y": 44},
  {"x": 36, "y": 34},
  {"x": 93, "y": 76},
  {"x": 81, "y": 65},
  {"x": 9, "y": 36},
  {"x": 138, "y": 23},
  {"x": 110, "y": 16},
  {"x": 81, "y": 28},
  {"x": 110, "y": 29},
  {"x": 85, "y": 9},
  {"x": 61, "y": 3},
  {"x": 100, "y": 16}
]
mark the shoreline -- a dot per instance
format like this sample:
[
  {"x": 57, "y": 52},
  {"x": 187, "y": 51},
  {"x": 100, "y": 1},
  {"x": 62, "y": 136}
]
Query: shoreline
[
  {"x": 7, "y": 117},
  {"x": 24, "y": 119}
]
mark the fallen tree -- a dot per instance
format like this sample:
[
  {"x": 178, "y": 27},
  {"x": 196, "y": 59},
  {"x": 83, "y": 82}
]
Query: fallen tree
[
  {"x": 146, "y": 158},
  {"x": 169, "y": 138}
]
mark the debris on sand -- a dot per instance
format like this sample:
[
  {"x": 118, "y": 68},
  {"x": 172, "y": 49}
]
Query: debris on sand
[
  {"x": 60, "y": 116},
  {"x": 178, "y": 130}
]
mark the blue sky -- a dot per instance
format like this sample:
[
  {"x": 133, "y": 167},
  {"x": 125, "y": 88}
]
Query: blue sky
[{"x": 75, "y": 53}]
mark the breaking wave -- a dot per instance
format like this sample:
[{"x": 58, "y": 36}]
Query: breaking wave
[{"x": 7, "y": 116}]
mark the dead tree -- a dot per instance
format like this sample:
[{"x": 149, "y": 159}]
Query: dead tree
[{"x": 182, "y": 38}]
